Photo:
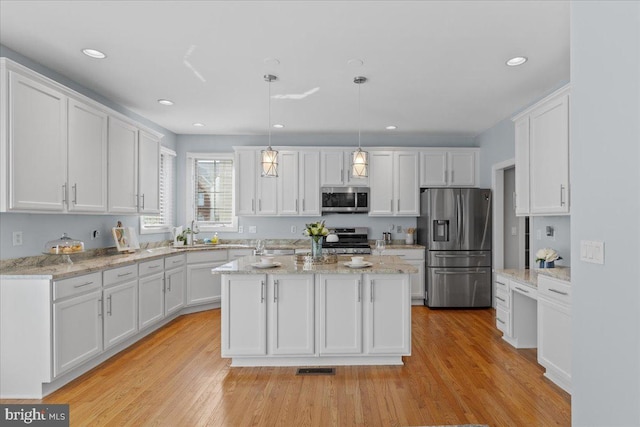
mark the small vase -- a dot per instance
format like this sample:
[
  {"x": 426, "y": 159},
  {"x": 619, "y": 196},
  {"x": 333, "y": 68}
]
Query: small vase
[
  {"x": 409, "y": 239},
  {"x": 541, "y": 264},
  {"x": 550, "y": 264},
  {"x": 316, "y": 248}
]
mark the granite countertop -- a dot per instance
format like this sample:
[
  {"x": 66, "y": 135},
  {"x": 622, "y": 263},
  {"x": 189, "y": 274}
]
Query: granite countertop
[
  {"x": 390, "y": 265},
  {"x": 530, "y": 277}
]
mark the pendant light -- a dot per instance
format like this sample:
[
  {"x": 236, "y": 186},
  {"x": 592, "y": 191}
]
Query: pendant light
[
  {"x": 359, "y": 158},
  {"x": 269, "y": 156}
]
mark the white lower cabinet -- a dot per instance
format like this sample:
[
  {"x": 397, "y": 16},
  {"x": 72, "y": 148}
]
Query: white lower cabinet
[
  {"x": 150, "y": 299},
  {"x": 244, "y": 315},
  {"x": 291, "y": 322},
  {"x": 554, "y": 330},
  {"x": 388, "y": 306},
  {"x": 174, "y": 290},
  {"x": 120, "y": 308},
  {"x": 77, "y": 330},
  {"x": 340, "y": 319},
  {"x": 415, "y": 257},
  {"x": 202, "y": 286}
]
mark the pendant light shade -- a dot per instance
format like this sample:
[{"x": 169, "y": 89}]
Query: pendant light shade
[
  {"x": 359, "y": 158},
  {"x": 269, "y": 157}
]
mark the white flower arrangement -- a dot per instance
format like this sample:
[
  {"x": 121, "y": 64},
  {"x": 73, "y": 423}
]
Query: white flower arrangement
[
  {"x": 316, "y": 230},
  {"x": 547, "y": 255}
]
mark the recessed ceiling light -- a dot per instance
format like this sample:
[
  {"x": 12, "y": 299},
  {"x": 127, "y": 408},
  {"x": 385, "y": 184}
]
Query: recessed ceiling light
[
  {"x": 391, "y": 127},
  {"x": 165, "y": 102},
  {"x": 199, "y": 125},
  {"x": 271, "y": 61},
  {"x": 278, "y": 126},
  {"x": 355, "y": 62},
  {"x": 516, "y": 60},
  {"x": 93, "y": 53}
]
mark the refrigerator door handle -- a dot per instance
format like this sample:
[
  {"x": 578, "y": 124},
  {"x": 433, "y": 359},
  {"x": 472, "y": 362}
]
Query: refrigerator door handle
[
  {"x": 458, "y": 220},
  {"x": 465, "y": 272},
  {"x": 460, "y": 256}
]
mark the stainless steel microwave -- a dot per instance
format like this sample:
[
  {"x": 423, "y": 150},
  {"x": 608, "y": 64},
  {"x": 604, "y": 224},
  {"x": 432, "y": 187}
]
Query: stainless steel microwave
[{"x": 345, "y": 199}]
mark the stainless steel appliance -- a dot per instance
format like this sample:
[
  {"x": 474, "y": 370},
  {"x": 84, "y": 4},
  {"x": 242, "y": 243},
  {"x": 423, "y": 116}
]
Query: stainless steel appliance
[
  {"x": 455, "y": 226},
  {"x": 351, "y": 240},
  {"x": 345, "y": 199}
]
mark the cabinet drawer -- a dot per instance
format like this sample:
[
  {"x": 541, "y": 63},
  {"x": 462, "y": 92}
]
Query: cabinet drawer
[
  {"x": 239, "y": 253},
  {"x": 525, "y": 290},
  {"x": 415, "y": 254},
  {"x": 117, "y": 275},
  {"x": 502, "y": 283},
  {"x": 174, "y": 261},
  {"x": 503, "y": 321},
  {"x": 555, "y": 290},
  {"x": 502, "y": 299},
  {"x": 206, "y": 256},
  {"x": 150, "y": 267},
  {"x": 76, "y": 285}
]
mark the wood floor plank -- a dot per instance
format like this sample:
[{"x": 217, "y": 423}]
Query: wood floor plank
[{"x": 460, "y": 372}]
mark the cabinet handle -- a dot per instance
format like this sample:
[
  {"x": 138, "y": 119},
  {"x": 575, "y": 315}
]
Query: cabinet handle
[
  {"x": 154, "y": 266},
  {"x": 303, "y": 207},
  {"x": 83, "y": 284},
  {"x": 359, "y": 290},
  {"x": 176, "y": 261},
  {"x": 558, "y": 292},
  {"x": 342, "y": 175},
  {"x": 259, "y": 205},
  {"x": 522, "y": 290},
  {"x": 398, "y": 210},
  {"x": 64, "y": 193},
  {"x": 500, "y": 320},
  {"x": 142, "y": 200},
  {"x": 452, "y": 179},
  {"x": 75, "y": 194},
  {"x": 262, "y": 291},
  {"x": 169, "y": 284},
  {"x": 371, "y": 282},
  {"x": 100, "y": 307},
  {"x": 124, "y": 274},
  {"x": 561, "y": 195},
  {"x": 109, "y": 305},
  {"x": 501, "y": 299},
  {"x": 391, "y": 205},
  {"x": 253, "y": 205},
  {"x": 275, "y": 290},
  {"x": 137, "y": 198},
  {"x": 446, "y": 173},
  {"x": 296, "y": 205}
]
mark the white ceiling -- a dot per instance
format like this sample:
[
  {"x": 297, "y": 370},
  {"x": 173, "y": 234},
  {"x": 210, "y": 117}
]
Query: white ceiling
[{"x": 434, "y": 67}]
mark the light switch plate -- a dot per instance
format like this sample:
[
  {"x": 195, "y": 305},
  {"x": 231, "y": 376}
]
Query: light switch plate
[
  {"x": 240, "y": 229},
  {"x": 253, "y": 229},
  {"x": 592, "y": 251}
]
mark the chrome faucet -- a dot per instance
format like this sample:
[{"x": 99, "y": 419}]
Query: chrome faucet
[{"x": 194, "y": 230}]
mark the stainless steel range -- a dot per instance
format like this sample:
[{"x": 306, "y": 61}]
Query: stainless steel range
[{"x": 351, "y": 240}]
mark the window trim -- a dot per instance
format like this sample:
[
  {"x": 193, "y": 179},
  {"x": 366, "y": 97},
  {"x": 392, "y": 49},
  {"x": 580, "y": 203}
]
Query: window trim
[
  {"x": 167, "y": 228},
  {"x": 190, "y": 193}
]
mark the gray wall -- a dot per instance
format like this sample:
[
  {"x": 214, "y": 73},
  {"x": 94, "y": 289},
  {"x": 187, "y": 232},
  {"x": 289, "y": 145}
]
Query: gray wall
[
  {"x": 511, "y": 246},
  {"x": 37, "y": 229},
  {"x": 605, "y": 153},
  {"x": 561, "y": 240}
]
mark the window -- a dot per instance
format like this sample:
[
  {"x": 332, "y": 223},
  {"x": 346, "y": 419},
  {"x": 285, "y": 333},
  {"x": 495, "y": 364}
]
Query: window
[
  {"x": 210, "y": 198},
  {"x": 163, "y": 222}
]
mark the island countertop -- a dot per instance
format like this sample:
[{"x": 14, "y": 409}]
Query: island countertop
[{"x": 287, "y": 265}]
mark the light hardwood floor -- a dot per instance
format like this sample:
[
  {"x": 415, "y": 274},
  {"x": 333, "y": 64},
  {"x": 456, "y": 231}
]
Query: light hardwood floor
[{"x": 460, "y": 372}]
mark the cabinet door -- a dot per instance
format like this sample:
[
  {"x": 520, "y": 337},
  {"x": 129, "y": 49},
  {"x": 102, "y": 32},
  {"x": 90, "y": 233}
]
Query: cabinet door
[
  {"x": 332, "y": 168},
  {"x": 149, "y": 173},
  {"x": 381, "y": 165},
  {"x": 288, "y": 183},
  {"x": 406, "y": 186},
  {"x": 87, "y": 158},
  {"x": 174, "y": 291},
  {"x": 554, "y": 341},
  {"x": 549, "y": 160},
  {"x": 244, "y": 315},
  {"x": 123, "y": 167},
  {"x": 522, "y": 166},
  {"x": 37, "y": 137},
  {"x": 388, "y": 314},
  {"x": 120, "y": 312},
  {"x": 462, "y": 168},
  {"x": 417, "y": 280},
  {"x": 433, "y": 169},
  {"x": 340, "y": 314},
  {"x": 309, "y": 181},
  {"x": 77, "y": 331},
  {"x": 202, "y": 286},
  {"x": 245, "y": 177},
  {"x": 150, "y": 300},
  {"x": 291, "y": 320}
]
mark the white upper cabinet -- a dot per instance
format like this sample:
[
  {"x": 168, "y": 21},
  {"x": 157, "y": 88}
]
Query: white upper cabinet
[
  {"x": 299, "y": 183},
  {"x": 542, "y": 156},
  {"x": 123, "y": 167},
  {"x": 449, "y": 168},
  {"x": 309, "y": 183},
  {"x": 245, "y": 179},
  {"x": 37, "y": 145},
  {"x": 149, "y": 173},
  {"x": 335, "y": 169},
  {"x": 87, "y": 158},
  {"x": 394, "y": 183},
  {"x": 288, "y": 185}
]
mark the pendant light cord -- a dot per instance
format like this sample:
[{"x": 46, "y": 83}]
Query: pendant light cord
[
  {"x": 359, "y": 115},
  {"x": 269, "y": 125}
]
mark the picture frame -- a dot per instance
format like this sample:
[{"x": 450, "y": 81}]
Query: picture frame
[{"x": 125, "y": 238}]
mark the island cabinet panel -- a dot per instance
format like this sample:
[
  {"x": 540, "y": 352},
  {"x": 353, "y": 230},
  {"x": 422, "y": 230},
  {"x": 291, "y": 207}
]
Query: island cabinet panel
[
  {"x": 291, "y": 314},
  {"x": 388, "y": 305},
  {"x": 340, "y": 314},
  {"x": 244, "y": 315}
]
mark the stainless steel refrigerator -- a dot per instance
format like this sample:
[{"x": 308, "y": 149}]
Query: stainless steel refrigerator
[{"x": 455, "y": 226}]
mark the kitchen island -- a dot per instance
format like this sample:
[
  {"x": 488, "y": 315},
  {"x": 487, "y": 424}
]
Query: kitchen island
[{"x": 303, "y": 314}]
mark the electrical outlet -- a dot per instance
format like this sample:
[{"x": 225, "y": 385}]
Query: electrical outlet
[
  {"x": 240, "y": 229},
  {"x": 294, "y": 229},
  {"x": 95, "y": 234},
  {"x": 253, "y": 229},
  {"x": 17, "y": 238}
]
